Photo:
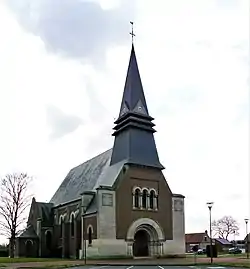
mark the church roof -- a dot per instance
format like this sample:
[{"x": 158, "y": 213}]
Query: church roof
[
  {"x": 29, "y": 232},
  {"x": 44, "y": 210},
  {"x": 87, "y": 177}
]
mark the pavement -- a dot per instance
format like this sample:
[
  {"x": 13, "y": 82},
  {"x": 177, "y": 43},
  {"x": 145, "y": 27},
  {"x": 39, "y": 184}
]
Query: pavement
[{"x": 151, "y": 267}]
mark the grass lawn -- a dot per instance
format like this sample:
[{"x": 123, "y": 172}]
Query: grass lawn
[
  {"x": 24, "y": 260},
  {"x": 227, "y": 261}
]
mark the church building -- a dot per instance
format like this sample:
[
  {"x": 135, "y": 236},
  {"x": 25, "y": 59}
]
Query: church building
[{"x": 115, "y": 204}]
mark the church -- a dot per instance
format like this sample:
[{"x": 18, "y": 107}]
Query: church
[{"x": 115, "y": 204}]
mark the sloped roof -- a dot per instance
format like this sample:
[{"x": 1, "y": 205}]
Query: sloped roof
[
  {"x": 29, "y": 232},
  {"x": 223, "y": 241},
  {"x": 87, "y": 177},
  {"x": 44, "y": 210},
  {"x": 194, "y": 238},
  {"x": 247, "y": 237}
]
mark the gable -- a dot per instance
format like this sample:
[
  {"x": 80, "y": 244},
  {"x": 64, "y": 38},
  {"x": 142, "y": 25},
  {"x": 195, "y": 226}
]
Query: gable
[
  {"x": 40, "y": 210},
  {"x": 32, "y": 213}
]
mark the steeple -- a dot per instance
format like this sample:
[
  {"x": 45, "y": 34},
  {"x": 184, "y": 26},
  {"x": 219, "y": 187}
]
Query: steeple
[{"x": 134, "y": 140}]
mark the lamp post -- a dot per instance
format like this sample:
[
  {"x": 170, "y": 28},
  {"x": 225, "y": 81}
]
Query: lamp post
[
  {"x": 247, "y": 239},
  {"x": 83, "y": 241},
  {"x": 210, "y": 205}
]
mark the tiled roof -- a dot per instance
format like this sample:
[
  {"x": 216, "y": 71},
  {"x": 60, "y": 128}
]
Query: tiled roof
[
  {"x": 87, "y": 177},
  {"x": 29, "y": 232},
  {"x": 194, "y": 238}
]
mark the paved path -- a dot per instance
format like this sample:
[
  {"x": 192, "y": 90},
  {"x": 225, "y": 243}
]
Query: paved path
[
  {"x": 151, "y": 267},
  {"x": 130, "y": 264}
]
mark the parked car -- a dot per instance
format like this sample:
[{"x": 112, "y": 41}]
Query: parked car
[
  {"x": 201, "y": 251},
  {"x": 234, "y": 250}
]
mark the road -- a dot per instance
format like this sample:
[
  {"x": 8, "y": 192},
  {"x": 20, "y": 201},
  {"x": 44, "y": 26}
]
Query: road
[{"x": 151, "y": 267}]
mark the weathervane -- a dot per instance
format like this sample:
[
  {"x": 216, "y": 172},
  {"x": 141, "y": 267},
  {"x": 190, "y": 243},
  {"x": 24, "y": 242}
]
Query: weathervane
[{"x": 132, "y": 31}]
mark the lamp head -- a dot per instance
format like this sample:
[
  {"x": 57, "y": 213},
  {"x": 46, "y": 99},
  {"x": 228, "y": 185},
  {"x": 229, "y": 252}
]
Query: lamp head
[
  {"x": 210, "y": 205},
  {"x": 246, "y": 221}
]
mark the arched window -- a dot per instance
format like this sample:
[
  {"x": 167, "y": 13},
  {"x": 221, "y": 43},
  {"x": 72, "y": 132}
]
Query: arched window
[
  {"x": 61, "y": 226},
  {"x": 72, "y": 225},
  {"x": 144, "y": 198},
  {"x": 151, "y": 199},
  {"x": 90, "y": 230},
  {"x": 48, "y": 239},
  {"x": 137, "y": 198}
]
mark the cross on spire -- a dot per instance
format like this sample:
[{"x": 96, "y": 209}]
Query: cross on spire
[{"x": 132, "y": 31}]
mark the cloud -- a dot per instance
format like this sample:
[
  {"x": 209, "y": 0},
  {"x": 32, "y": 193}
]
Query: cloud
[
  {"x": 74, "y": 28},
  {"x": 61, "y": 123},
  {"x": 193, "y": 59}
]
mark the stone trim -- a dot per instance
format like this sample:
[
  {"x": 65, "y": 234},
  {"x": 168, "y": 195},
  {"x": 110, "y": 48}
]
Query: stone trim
[
  {"x": 175, "y": 195},
  {"x": 141, "y": 193},
  {"x": 71, "y": 215},
  {"x": 142, "y": 222}
]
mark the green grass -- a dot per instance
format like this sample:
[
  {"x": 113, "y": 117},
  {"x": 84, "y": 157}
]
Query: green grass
[
  {"x": 24, "y": 260},
  {"x": 233, "y": 264}
]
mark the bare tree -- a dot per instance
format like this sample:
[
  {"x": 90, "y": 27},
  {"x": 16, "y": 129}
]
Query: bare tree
[
  {"x": 225, "y": 226},
  {"x": 14, "y": 200}
]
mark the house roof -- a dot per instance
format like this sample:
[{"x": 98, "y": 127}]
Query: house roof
[
  {"x": 194, "y": 238},
  {"x": 87, "y": 177},
  {"x": 247, "y": 236},
  {"x": 223, "y": 241}
]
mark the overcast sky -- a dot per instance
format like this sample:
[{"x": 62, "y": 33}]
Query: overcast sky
[{"x": 62, "y": 72}]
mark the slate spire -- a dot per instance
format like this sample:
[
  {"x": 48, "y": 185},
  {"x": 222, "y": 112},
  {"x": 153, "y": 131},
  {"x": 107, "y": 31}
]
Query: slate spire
[
  {"x": 133, "y": 95},
  {"x": 134, "y": 140}
]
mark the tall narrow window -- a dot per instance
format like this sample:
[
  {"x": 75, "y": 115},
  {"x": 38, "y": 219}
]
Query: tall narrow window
[
  {"x": 151, "y": 199},
  {"x": 48, "y": 239},
  {"x": 144, "y": 198},
  {"x": 61, "y": 227},
  {"x": 72, "y": 225},
  {"x": 137, "y": 197},
  {"x": 90, "y": 235}
]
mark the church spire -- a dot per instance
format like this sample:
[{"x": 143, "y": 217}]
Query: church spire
[
  {"x": 133, "y": 96},
  {"x": 134, "y": 140}
]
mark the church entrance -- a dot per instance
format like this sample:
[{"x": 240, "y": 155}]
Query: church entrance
[{"x": 141, "y": 244}]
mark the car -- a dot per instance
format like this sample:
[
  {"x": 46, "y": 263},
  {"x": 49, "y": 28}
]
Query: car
[
  {"x": 201, "y": 251},
  {"x": 235, "y": 250}
]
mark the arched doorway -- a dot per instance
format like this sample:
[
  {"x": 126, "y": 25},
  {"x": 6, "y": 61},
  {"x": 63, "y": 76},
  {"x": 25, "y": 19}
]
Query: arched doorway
[
  {"x": 28, "y": 248},
  {"x": 147, "y": 237},
  {"x": 141, "y": 244}
]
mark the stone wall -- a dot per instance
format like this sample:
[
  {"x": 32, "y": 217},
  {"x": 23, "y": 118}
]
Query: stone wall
[
  {"x": 106, "y": 217},
  {"x": 177, "y": 245}
]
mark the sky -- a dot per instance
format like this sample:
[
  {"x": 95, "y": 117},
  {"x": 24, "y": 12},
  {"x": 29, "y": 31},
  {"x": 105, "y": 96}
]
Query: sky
[{"x": 63, "y": 65}]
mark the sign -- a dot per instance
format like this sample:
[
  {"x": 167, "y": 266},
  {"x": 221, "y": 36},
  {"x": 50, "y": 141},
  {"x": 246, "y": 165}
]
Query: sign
[{"x": 107, "y": 199}]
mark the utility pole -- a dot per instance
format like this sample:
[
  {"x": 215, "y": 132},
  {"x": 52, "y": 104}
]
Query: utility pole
[
  {"x": 210, "y": 205},
  {"x": 247, "y": 239}
]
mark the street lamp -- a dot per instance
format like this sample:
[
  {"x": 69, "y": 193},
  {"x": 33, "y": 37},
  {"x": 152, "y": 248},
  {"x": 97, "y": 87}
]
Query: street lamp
[
  {"x": 247, "y": 239},
  {"x": 83, "y": 224},
  {"x": 210, "y": 205}
]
